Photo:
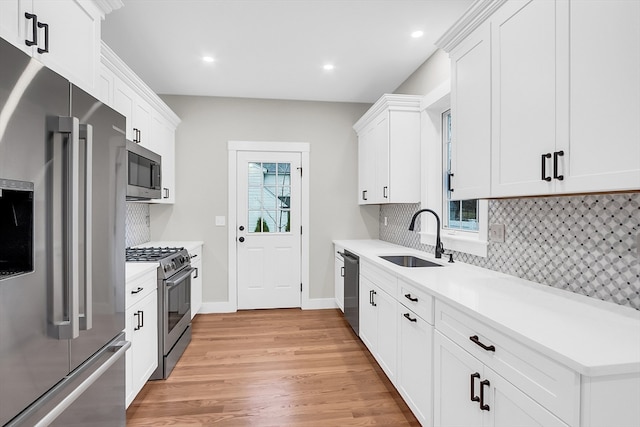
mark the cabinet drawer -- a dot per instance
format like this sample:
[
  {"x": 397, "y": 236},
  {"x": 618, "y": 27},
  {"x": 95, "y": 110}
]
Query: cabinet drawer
[
  {"x": 416, "y": 300},
  {"x": 551, "y": 384},
  {"x": 382, "y": 278},
  {"x": 141, "y": 287}
]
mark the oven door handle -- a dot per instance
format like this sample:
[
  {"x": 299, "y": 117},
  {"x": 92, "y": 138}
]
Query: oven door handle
[{"x": 180, "y": 277}]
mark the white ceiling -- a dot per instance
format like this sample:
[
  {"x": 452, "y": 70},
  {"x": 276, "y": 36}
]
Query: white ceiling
[{"x": 277, "y": 48}]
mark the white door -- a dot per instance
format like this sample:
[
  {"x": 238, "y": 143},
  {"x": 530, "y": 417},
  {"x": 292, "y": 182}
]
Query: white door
[{"x": 268, "y": 234}]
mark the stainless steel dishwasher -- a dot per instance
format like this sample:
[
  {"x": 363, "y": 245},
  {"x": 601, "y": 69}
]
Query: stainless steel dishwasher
[{"x": 351, "y": 288}]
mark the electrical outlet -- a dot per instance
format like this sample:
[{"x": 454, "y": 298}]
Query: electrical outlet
[{"x": 496, "y": 233}]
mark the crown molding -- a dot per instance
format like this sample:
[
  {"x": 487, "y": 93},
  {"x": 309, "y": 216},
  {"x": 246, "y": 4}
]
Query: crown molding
[
  {"x": 113, "y": 62},
  {"x": 108, "y": 6},
  {"x": 389, "y": 102},
  {"x": 477, "y": 13}
]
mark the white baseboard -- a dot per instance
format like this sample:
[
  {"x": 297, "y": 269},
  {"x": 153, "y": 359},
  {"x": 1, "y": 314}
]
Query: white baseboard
[
  {"x": 319, "y": 303},
  {"x": 227, "y": 307},
  {"x": 217, "y": 307}
]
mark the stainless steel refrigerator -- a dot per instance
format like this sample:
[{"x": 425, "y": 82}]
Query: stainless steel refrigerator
[{"x": 62, "y": 202}]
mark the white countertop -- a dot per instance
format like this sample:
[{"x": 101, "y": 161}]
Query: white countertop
[
  {"x": 591, "y": 336},
  {"x": 133, "y": 270}
]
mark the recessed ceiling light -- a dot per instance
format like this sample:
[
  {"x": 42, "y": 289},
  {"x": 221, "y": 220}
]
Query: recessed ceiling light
[
  {"x": 417, "y": 34},
  {"x": 207, "y": 58},
  {"x": 328, "y": 67}
]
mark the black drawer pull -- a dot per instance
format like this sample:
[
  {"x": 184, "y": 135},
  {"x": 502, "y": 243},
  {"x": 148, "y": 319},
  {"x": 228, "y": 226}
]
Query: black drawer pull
[
  {"x": 410, "y": 298},
  {"x": 449, "y": 187},
  {"x": 409, "y": 318},
  {"x": 476, "y": 340},
  {"x": 364, "y": 194},
  {"x": 373, "y": 300},
  {"x": 137, "y": 290},
  {"x": 46, "y": 37},
  {"x": 544, "y": 164},
  {"x": 474, "y": 398},
  {"x": 483, "y": 406}
]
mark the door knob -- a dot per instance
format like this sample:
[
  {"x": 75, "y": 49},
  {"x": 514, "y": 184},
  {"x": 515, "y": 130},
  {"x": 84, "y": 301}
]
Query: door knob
[
  {"x": 241, "y": 228},
  {"x": 241, "y": 239}
]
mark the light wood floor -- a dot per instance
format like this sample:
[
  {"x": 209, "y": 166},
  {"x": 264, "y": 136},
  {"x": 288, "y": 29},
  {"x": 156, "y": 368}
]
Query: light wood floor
[{"x": 272, "y": 368}]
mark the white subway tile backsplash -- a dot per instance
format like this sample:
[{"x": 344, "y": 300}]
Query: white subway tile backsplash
[{"x": 584, "y": 244}]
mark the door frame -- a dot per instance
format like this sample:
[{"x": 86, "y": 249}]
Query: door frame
[{"x": 303, "y": 149}]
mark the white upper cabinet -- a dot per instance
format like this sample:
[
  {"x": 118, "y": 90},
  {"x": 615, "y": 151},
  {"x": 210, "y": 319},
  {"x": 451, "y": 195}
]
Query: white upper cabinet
[
  {"x": 471, "y": 116},
  {"x": 64, "y": 35},
  {"x": 150, "y": 122},
  {"x": 389, "y": 151},
  {"x": 564, "y": 97}
]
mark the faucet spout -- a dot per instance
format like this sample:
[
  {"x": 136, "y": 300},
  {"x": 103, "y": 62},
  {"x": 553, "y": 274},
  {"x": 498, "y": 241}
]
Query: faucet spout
[{"x": 439, "y": 248}]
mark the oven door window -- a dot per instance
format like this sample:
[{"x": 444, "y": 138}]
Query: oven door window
[{"x": 178, "y": 302}]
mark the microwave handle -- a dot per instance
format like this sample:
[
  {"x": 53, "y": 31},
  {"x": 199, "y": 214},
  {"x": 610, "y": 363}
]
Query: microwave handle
[{"x": 156, "y": 177}]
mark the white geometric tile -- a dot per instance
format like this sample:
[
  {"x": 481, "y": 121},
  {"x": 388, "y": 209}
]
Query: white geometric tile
[{"x": 137, "y": 224}]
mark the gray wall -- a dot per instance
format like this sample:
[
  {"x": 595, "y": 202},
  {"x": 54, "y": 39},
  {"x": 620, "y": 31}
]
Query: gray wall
[{"x": 208, "y": 123}]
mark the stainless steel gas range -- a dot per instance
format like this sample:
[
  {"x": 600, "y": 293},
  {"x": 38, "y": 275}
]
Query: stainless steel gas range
[{"x": 174, "y": 302}]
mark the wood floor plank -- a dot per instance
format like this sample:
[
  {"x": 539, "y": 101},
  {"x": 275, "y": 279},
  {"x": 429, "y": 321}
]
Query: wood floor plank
[{"x": 272, "y": 368}]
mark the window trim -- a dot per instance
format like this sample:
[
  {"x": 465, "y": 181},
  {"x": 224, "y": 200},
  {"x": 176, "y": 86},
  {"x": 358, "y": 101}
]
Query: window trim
[{"x": 475, "y": 243}]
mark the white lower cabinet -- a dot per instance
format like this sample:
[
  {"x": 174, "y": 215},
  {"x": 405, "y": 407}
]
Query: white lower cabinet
[
  {"x": 378, "y": 325},
  {"x": 142, "y": 331},
  {"x": 196, "y": 280},
  {"x": 415, "y": 342},
  {"x": 338, "y": 281},
  {"x": 468, "y": 393}
]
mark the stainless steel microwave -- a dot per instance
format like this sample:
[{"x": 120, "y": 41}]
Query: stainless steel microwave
[{"x": 144, "y": 173}]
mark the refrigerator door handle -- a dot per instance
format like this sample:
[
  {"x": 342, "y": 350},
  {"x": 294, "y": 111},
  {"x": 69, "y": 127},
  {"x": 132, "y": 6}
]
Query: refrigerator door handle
[
  {"x": 64, "y": 300},
  {"x": 86, "y": 318}
]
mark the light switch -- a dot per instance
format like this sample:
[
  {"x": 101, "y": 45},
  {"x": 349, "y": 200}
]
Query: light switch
[
  {"x": 496, "y": 233},
  {"x": 220, "y": 221}
]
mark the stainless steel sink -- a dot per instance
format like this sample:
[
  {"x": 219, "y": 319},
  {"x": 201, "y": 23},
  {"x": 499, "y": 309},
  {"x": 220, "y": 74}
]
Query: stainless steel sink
[{"x": 409, "y": 261}]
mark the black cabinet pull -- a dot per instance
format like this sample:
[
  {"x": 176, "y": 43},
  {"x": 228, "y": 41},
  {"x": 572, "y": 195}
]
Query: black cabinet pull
[
  {"x": 410, "y": 298},
  {"x": 373, "y": 300},
  {"x": 46, "y": 37},
  {"x": 137, "y": 316},
  {"x": 384, "y": 192},
  {"x": 341, "y": 271},
  {"x": 34, "y": 29},
  {"x": 449, "y": 188},
  {"x": 141, "y": 318},
  {"x": 364, "y": 194},
  {"x": 544, "y": 167},
  {"x": 137, "y": 290},
  {"x": 474, "y": 398},
  {"x": 370, "y": 297},
  {"x": 409, "y": 318},
  {"x": 555, "y": 165},
  {"x": 476, "y": 340},
  {"x": 166, "y": 192},
  {"x": 197, "y": 273},
  {"x": 484, "y": 406}
]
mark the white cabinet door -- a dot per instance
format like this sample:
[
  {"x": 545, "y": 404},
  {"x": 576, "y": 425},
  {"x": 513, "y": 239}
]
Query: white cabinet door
[
  {"x": 143, "y": 322},
  {"x": 162, "y": 141},
  {"x": 124, "y": 102},
  {"x": 510, "y": 407},
  {"x": 603, "y": 151},
  {"x": 367, "y": 317},
  {"x": 471, "y": 116},
  {"x": 142, "y": 124},
  {"x": 73, "y": 40},
  {"x": 380, "y": 140},
  {"x": 415, "y": 361},
  {"x": 524, "y": 41},
  {"x": 366, "y": 167},
  {"x": 339, "y": 281},
  {"x": 196, "y": 287},
  {"x": 387, "y": 331},
  {"x": 13, "y": 24},
  {"x": 457, "y": 377}
]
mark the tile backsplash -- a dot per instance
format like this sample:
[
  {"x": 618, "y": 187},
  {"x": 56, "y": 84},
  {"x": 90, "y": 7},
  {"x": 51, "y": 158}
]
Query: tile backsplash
[
  {"x": 584, "y": 244},
  {"x": 138, "y": 229}
]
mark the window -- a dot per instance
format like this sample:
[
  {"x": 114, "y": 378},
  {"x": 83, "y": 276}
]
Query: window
[
  {"x": 458, "y": 214},
  {"x": 269, "y": 197}
]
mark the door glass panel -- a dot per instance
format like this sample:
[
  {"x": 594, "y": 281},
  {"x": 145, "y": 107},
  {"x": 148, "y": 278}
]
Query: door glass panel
[{"x": 269, "y": 197}]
